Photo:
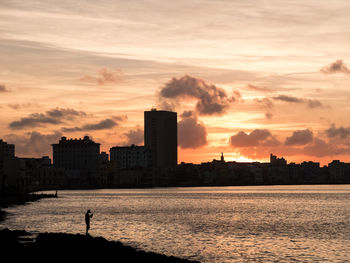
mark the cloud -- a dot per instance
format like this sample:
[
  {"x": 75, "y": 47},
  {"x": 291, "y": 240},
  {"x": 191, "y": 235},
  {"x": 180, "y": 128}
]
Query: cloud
[
  {"x": 187, "y": 114},
  {"x": 287, "y": 98},
  {"x": 336, "y": 67},
  {"x": 135, "y": 136},
  {"x": 191, "y": 133},
  {"x": 267, "y": 105},
  {"x": 101, "y": 125},
  {"x": 258, "y": 137},
  {"x": 321, "y": 148},
  {"x": 64, "y": 113},
  {"x": 313, "y": 103},
  {"x": 167, "y": 105},
  {"x": 3, "y": 88},
  {"x": 268, "y": 115},
  {"x": 265, "y": 102},
  {"x": 211, "y": 100},
  {"x": 341, "y": 132},
  {"x": 105, "y": 76},
  {"x": 54, "y": 116},
  {"x": 17, "y": 106},
  {"x": 291, "y": 99},
  {"x": 300, "y": 137},
  {"x": 34, "y": 143},
  {"x": 258, "y": 88},
  {"x": 260, "y": 143}
]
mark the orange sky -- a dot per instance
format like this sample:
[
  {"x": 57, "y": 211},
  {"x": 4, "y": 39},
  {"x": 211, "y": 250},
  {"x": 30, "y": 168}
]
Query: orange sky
[{"x": 246, "y": 77}]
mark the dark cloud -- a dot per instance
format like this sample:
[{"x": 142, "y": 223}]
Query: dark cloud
[
  {"x": 301, "y": 137},
  {"x": 258, "y": 137},
  {"x": 291, "y": 99},
  {"x": 3, "y": 88},
  {"x": 34, "y": 120},
  {"x": 135, "y": 136},
  {"x": 54, "y": 116},
  {"x": 258, "y": 88},
  {"x": 101, "y": 125},
  {"x": 191, "y": 133},
  {"x": 64, "y": 113},
  {"x": 287, "y": 98},
  {"x": 336, "y": 67},
  {"x": 187, "y": 114},
  {"x": 210, "y": 99},
  {"x": 33, "y": 143},
  {"x": 105, "y": 76},
  {"x": 104, "y": 124},
  {"x": 341, "y": 132}
]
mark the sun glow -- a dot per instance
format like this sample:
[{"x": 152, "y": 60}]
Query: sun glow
[{"x": 252, "y": 72}]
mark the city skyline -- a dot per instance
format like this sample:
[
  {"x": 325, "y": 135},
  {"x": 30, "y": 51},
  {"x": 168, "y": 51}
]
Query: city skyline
[
  {"x": 78, "y": 163},
  {"x": 246, "y": 78},
  {"x": 144, "y": 154}
]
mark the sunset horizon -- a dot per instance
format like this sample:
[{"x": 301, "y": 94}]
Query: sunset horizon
[
  {"x": 246, "y": 78},
  {"x": 213, "y": 131}
]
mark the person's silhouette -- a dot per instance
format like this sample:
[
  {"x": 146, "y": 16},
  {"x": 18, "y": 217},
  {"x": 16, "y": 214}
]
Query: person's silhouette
[{"x": 88, "y": 216}]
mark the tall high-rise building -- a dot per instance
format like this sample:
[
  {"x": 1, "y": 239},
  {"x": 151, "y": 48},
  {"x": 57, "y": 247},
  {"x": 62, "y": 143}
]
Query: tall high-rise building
[{"x": 160, "y": 130}]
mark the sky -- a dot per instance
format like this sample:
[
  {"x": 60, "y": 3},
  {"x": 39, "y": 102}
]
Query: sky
[{"x": 246, "y": 77}]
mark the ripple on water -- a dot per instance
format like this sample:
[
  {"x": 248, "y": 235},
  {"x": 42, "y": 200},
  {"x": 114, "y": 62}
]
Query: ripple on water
[{"x": 228, "y": 224}]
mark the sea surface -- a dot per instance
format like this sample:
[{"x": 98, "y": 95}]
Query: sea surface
[{"x": 307, "y": 223}]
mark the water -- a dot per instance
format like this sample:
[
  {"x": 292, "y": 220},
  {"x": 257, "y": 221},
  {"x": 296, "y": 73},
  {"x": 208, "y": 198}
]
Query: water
[{"x": 209, "y": 224}]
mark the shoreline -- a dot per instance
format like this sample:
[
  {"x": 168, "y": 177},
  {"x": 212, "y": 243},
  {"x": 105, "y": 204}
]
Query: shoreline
[
  {"x": 184, "y": 186},
  {"x": 78, "y": 245},
  {"x": 84, "y": 246},
  {"x": 13, "y": 198}
]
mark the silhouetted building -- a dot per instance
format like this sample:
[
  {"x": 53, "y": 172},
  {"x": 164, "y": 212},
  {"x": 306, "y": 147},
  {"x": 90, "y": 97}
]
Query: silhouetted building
[
  {"x": 109, "y": 174},
  {"x": 277, "y": 161},
  {"x": 104, "y": 157},
  {"x": 310, "y": 165},
  {"x": 222, "y": 157},
  {"x": 160, "y": 129},
  {"x": 7, "y": 159},
  {"x": 131, "y": 156},
  {"x": 80, "y": 158},
  {"x": 339, "y": 172},
  {"x": 6, "y": 150},
  {"x": 310, "y": 171},
  {"x": 39, "y": 173}
]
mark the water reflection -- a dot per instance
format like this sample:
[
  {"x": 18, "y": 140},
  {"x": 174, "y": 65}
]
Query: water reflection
[{"x": 221, "y": 224}]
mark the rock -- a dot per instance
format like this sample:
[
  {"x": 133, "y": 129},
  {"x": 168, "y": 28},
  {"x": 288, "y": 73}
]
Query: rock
[{"x": 84, "y": 247}]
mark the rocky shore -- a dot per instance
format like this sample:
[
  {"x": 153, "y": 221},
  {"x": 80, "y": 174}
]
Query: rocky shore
[
  {"x": 53, "y": 246},
  {"x": 59, "y": 245}
]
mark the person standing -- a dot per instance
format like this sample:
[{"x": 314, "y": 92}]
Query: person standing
[{"x": 88, "y": 216}]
